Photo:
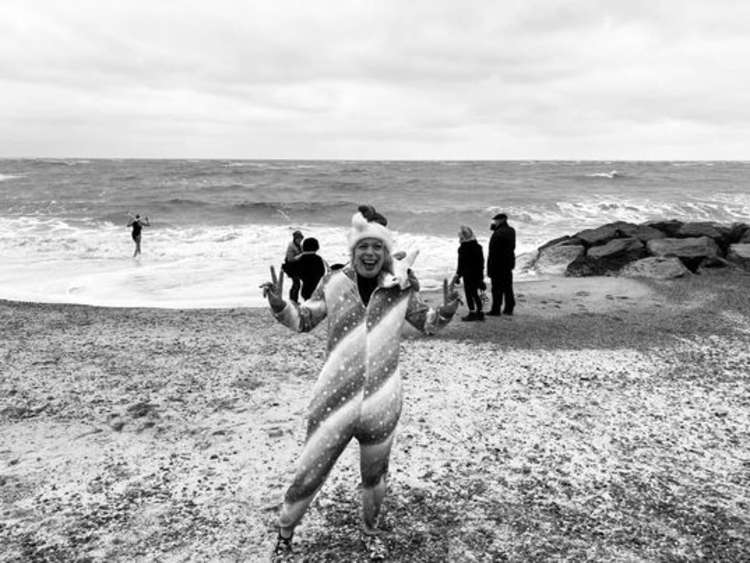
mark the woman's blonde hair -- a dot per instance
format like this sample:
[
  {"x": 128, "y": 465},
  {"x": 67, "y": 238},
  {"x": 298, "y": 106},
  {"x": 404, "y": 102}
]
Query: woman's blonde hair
[{"x": 465, "y": 233}]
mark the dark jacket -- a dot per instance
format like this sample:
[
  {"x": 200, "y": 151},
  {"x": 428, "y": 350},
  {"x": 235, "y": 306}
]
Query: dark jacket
[
  {"x": 309, "y": 268},
  {"x": 501, "y": 255},
  {"x": 470, "y": 262}
]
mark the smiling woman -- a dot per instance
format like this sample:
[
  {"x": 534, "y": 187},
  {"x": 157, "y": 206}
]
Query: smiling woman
[
  {"x": 368, "y": 257},
  {"x": 371, "y": 243},
  {"x": 358, "y": 393}
]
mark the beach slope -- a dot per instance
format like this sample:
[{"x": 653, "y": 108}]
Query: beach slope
[{"x": 608, "y": 420}]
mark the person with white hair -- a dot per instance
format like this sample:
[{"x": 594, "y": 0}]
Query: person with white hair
[
  {"x": 358, "y": 393},
  {"x": 471, "y": 269}
]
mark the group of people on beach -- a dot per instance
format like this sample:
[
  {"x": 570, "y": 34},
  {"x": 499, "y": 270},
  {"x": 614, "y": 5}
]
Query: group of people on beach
[
  {"x": 303, "y": 265},
  {"x": 306, "y": 268},
  {"x": 501, "y": 260},
  {"x": 358, "y": 393}
]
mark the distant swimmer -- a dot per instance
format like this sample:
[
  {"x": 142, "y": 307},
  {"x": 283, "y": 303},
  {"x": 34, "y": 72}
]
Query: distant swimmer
[{"x": 137, "y": 224}]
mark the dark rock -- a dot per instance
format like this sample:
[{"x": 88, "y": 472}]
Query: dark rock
[
  {"x": 699, "y": 245},
  {"x": 656, "y": 267},
  {"x": 692, "y": 251},
  {"x": 702, "y": 229},
  {"x": 643, "y": 233},
  {"x": 607, "y": 259},
  {"x": 605, "y": 233},
  {"x": 669, "y": 228},
  {"x": 737, "y": 231},
  {"x": 555, "y": 259},
  {"x": 564, "y": 241},
  {"x": 703, "y": 247},
  {"x": 739, "y": 254},
  {"x": 617, "y": 247}
]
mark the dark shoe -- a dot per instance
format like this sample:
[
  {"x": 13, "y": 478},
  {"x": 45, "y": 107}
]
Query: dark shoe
[
  {"x": 282, "y": 551},
  {"x": 493, "y": 313},
  {"x": 508, "y": 313},
  {"x": 480, "y": 316},
  {"x": 472, "y": 316}
]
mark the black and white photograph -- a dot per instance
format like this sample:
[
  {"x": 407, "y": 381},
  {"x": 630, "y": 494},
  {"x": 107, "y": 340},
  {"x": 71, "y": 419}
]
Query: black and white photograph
[{"x": 374, "y": 280}]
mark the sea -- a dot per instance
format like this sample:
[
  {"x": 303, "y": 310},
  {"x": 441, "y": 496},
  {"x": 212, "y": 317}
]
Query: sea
[{"x": 217, "y": 226}]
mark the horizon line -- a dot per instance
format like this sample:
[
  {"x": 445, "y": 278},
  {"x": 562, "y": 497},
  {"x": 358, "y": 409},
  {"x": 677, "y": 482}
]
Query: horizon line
[{"x": 312, "y": 159}]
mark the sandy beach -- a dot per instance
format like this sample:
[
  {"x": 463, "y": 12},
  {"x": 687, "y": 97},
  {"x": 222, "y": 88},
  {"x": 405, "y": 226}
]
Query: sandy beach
[{"x": 608, "y": 420}]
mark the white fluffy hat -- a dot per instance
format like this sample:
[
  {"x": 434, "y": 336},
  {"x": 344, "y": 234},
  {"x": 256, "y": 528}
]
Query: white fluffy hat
[{"x": 362, "y": 229}]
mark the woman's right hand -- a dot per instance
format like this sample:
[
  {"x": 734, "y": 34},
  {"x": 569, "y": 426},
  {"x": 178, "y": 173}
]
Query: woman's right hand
[{"x": 274, "y": 290}]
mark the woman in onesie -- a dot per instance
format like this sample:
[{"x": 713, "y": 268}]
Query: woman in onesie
[{"x": 358, "y": 392}]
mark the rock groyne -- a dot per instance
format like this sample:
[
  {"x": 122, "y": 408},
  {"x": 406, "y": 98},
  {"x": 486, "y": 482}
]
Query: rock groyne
[{"x": 656, "y": 249}]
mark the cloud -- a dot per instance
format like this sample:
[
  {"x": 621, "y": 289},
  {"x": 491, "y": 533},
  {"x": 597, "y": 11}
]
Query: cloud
[{"x": 356, "y": 79}]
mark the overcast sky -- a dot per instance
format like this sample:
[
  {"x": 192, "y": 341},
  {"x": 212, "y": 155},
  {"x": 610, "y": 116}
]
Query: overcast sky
[{"x": 380, "y": 79}]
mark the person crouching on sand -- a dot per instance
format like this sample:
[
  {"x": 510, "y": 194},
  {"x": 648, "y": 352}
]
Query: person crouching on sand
[{"x": 358, "y": 392}]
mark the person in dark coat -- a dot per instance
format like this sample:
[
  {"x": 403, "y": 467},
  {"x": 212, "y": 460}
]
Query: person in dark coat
[
  {"x": 501, "y": 259},
  {"x": 471, "y": 269},
  {"x": 309, "y": 267}
]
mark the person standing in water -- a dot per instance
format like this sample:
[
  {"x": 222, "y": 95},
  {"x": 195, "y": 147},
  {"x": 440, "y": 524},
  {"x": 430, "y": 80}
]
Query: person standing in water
[
  {"x": 137, "y": 224},
  {"x": 358, "y": 393}
]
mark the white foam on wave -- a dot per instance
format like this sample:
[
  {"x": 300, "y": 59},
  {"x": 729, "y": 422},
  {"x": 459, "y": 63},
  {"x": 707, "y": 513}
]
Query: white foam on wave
[
  {"x": 727, "y": 207},
  {"x": 611, "y": 174},
  {"x": 4, "y": 177},
  {"x": 197, "y": 267},
  {"x": 53, "y": 260},
  {"x": 270, "y": 165}
]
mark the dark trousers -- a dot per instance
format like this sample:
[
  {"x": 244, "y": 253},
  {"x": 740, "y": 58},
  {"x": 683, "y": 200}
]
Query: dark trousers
[
  {"x": 294, "y": 290},
  {"x": 502, "y": 291},
  {"x": 473, "y": 302}
]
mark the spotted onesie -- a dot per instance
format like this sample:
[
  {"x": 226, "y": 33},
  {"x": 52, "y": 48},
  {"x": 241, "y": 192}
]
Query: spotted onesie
[{"x": 358, "y": 392}]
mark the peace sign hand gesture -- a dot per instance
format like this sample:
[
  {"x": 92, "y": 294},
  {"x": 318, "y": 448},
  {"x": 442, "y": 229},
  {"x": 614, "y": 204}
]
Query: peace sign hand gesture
[{"x": 274, "y": 290}]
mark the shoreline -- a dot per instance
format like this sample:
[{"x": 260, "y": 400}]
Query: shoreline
[
  {"x": 549, "y": 290},
  {"x": 608, "y": 425}
]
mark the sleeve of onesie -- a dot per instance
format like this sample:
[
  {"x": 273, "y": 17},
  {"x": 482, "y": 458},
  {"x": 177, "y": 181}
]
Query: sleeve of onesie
[{"x": 304, "y": 317}]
